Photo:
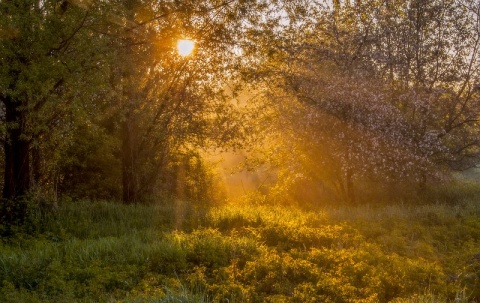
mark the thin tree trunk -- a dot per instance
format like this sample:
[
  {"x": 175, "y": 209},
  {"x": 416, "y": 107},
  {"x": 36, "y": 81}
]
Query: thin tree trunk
[
  {"x": 422, "y": 183},
  {"x": 350, "y": 189},
  {"x": 130, "y": 188},
  {"x": 128, "y": 135},
  {"x": 36, "y": 165}
]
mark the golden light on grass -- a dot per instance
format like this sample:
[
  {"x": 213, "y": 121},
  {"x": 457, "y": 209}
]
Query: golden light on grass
[{"x": 185, "y": 47}]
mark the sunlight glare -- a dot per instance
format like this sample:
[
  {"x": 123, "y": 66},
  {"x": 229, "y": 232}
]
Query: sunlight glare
[{"x": 185, "y": 47}]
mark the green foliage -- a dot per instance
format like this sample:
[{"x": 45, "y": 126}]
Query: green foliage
[
  {"x": 84, "y": 164},
  {"x": 24, "y": 216},
  {"x": 190, "y": 177},
  {"x": 100, "y": 251}
]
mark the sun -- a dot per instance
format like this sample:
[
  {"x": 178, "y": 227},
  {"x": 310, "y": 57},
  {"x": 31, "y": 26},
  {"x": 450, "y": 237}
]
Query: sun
[{"x": 185, "y": 47}]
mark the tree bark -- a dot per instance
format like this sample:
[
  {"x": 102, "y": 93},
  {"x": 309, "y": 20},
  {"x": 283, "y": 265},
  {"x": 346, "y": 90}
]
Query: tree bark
[
  {"x": 422, "y": 183},
  {"x": 17, "y": 179},
  {"x": 130, "y": 188},
  {"x": 350, "y": 189},
  {"x": 17, "y": 176}
]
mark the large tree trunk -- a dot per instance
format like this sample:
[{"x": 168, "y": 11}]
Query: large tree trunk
[
  {"x": 17, "y": 178},
  {"x": 17, "y": 152}
]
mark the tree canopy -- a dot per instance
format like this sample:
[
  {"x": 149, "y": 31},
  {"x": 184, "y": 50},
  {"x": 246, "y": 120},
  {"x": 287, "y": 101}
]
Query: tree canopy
[{"x": 97, "y": 103}]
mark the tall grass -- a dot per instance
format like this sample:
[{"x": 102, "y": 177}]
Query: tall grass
[{"x": 105, "y": 252}]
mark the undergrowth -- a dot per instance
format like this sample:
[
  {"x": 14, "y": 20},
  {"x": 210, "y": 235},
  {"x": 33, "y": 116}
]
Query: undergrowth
[{"x": 107, "y": 252}]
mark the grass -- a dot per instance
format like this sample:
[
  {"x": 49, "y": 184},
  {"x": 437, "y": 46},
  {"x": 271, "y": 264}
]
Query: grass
[{"x": 106, "y": 252}]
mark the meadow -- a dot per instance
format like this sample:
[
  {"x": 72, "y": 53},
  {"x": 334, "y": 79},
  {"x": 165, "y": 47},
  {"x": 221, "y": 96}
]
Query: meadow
[{"x": 178, "y": 252}]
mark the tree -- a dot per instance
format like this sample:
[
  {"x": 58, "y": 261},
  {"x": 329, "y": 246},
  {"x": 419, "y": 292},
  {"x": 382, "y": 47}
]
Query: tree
[
  {"x": 388, "y": 90},
  {"x": 171, "y": 104},
  {"x": 71, "y": 65},
  {"x": 43, "y": 50}
]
